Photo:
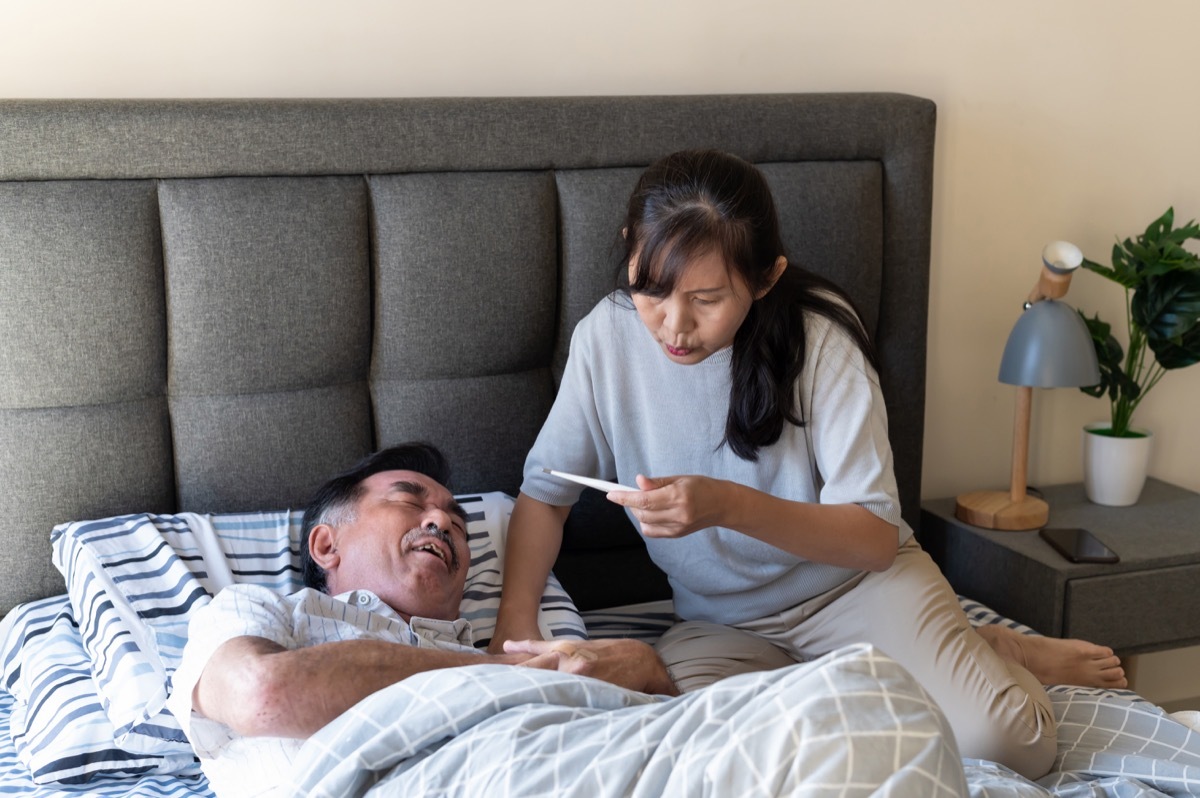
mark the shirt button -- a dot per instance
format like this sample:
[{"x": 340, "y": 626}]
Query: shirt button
[{"x": 364, "y": 599}]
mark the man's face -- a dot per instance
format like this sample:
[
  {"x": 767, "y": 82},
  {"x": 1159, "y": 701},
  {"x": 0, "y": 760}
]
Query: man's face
[{"x": 407, "y": 545}]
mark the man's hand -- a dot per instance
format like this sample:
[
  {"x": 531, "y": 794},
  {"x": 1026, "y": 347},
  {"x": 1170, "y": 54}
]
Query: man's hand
[{"x": 625, "y": 663}]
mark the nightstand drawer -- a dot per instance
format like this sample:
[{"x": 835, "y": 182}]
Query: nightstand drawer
[
  {"x": 1149, "y": 601},
  {"x": 1141, "y": 609}
]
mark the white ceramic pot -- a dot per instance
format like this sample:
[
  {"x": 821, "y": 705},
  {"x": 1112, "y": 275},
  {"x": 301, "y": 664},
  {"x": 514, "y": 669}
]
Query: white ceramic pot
[{"x": 1114, "y": 469}]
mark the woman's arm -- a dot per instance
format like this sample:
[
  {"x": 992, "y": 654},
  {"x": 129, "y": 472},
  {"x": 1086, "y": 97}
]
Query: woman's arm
[
  {"x": 534, "y": 537},
  {"x": 844, "y": 535}
]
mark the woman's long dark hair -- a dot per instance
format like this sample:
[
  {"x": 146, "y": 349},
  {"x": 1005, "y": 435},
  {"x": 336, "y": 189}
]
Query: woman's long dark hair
[{"x": 692, "y": 202}]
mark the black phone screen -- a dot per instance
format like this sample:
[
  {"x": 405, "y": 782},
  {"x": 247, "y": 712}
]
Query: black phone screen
[{"x": 1079, "y": 545}]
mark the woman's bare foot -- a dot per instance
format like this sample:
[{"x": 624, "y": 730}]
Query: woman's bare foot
[{"x": 1055, "y": 661}]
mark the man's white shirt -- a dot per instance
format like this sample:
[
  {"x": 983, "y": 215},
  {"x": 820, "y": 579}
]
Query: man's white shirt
[{"x": 258, "y": 766}]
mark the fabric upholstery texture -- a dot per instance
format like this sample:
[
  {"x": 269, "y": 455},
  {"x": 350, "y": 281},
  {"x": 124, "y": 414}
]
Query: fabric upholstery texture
[
  {"x": 210, "y": 305},
  {"x": 465, "y": 310},
  {"x": 269, "y": 328}
]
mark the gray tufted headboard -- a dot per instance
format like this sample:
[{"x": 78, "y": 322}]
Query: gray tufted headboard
[{"x": 213, "y": 305}]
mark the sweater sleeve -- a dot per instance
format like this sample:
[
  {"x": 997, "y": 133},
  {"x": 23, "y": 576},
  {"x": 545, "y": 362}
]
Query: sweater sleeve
[
  {"x": 572, "y": 438},
  {"x": 848, "y": 426}
]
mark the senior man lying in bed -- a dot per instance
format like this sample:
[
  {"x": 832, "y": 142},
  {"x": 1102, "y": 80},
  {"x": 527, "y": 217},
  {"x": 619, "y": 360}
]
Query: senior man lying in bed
[{"x": 385, "y": 565}]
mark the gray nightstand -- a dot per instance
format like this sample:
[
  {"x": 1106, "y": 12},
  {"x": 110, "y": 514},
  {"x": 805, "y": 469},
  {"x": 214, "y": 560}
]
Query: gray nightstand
[{"x": 1148, "y": 601}]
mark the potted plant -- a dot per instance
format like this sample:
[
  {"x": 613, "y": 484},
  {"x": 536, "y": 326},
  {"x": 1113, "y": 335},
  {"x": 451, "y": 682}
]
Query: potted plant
[{"x": 1162, "y": 315}]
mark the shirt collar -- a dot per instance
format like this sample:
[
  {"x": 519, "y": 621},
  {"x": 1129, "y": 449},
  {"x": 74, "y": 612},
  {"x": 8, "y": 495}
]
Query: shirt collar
[{"x": 430, "y": 629}]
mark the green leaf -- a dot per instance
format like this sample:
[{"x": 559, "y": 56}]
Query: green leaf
[
  {"x": 1189, "y": 231},
  {"x": 1140, "y": 253},
  {"x": 1099, "y": 330},
  {"x": 1108, "y": 356},
  {"x": 1167, "y": 309},
  {"x": 1173, "y": 258},
  {"x": 1100, "y": 269},
  {"x": 1125, "y": 265},
  {"x": 1126, "y": 386},
  {"x": 1161, "y": 225},
  {"x": 1172, "y": 355},
  {"x": 1162, "y": 282}
]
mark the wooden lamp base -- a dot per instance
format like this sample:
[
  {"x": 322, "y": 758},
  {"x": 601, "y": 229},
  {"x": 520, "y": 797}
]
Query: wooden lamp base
[
  {"x": 996, "y": 509},
  {"x": 1012, "y": 509}
]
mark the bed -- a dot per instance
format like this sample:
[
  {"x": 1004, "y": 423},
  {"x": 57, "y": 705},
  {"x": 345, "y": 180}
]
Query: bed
[{"x": 207, "y": 307}]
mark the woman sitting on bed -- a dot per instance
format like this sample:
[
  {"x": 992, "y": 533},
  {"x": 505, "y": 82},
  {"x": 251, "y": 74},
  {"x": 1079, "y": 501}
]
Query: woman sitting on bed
[{"x": 747, "y": 388}]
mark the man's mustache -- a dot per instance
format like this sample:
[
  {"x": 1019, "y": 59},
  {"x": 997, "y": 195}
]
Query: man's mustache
[{"x": 434, "y": 531}]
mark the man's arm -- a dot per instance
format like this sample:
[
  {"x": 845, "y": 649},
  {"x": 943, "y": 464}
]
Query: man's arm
[{"x": 259, "y": 688}]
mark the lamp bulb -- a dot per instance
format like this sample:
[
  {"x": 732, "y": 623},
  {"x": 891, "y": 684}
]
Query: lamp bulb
[{"x": 1062, "y": 256}]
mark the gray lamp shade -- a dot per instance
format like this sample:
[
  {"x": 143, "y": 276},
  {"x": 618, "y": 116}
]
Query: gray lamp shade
[{"x": 1049, "y": 347}]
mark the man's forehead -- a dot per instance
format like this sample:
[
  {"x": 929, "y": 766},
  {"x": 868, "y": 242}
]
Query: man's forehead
[
  {"x": 384, "y": 482},
  {"x": 385, "y": 479}
]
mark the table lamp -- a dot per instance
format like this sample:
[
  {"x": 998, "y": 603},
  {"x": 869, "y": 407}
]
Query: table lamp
[{"x": 1049, "y": 347}]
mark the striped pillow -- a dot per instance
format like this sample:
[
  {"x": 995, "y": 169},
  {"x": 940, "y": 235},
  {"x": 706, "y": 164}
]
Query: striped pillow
[
  {"x": 134, "y": 581},
  {"x": 21, "y": 627},
  {"x": 487, "y": 526},
  {"x": 68, "y": 739}
]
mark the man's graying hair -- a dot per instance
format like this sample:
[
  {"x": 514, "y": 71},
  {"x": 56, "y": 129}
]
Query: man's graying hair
[{"x": 336, "y": 502}]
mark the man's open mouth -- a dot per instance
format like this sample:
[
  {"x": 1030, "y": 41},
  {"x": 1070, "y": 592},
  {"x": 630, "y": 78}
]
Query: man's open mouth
[
  {"x": 436, "y": 542},
  {"x": 433, "y": 549}
]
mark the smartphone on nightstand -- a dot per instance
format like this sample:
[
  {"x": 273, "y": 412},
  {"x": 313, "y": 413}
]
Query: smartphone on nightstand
[{"x": 1079, "y": 545}]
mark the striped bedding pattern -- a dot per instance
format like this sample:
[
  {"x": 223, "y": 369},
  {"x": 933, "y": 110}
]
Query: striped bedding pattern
[
  {"x": 105, "y": 652},
  {"x": 15, "y": 778},
  {"x": 60, "y": 732},
  {"x": 133, "y": 582}
]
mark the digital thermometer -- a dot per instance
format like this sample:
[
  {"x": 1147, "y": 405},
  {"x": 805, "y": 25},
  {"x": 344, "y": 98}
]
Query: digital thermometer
[{"x": 598, "y": 484}]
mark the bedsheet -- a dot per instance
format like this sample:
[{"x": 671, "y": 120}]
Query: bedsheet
[
  {"x": 1112, "y": 744},
  {"x": 15, "y": 778}
]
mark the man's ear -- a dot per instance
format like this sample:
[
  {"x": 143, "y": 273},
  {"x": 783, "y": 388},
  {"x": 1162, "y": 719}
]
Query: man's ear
[
  {"x": 322, "y": 545},
  {"x": 776, "y": 272}
]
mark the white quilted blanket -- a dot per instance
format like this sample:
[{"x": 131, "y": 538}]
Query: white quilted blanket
[{"x": 852, "y": 723}]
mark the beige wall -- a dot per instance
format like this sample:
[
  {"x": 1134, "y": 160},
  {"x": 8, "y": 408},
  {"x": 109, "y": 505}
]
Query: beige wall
[{"x": 1072, "y": 119}]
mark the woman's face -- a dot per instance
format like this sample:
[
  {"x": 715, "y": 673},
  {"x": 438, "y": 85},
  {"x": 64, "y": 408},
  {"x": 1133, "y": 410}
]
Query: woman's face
[{"x": 703, "y": 312}]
